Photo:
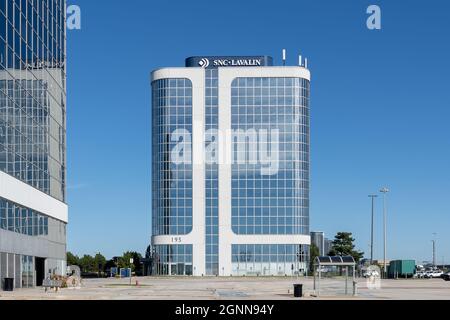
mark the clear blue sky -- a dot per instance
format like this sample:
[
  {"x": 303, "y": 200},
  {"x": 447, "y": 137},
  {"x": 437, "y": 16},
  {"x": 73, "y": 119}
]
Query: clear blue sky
[{"x": 380, "y": 110}]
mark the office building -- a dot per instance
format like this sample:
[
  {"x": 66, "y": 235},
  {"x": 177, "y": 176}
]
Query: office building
[
  {"x": 230, "y": 167},
  {"x": 328, "y": 245},
  {"x": 33, "y": 210},
  {"x": 318, "y": 239}
]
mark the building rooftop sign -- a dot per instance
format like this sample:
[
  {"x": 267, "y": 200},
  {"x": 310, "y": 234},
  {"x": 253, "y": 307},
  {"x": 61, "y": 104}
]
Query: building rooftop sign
[{"x": 229, "y": 61}]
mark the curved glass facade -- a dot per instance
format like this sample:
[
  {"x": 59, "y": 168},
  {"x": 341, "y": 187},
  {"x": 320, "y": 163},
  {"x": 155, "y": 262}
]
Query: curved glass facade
[
  {"x": 172, "y": 180},
  {"x": 267, "y": 259},
  {"x": 276, "y": 203},
  {"x": 174, "y": 260}
]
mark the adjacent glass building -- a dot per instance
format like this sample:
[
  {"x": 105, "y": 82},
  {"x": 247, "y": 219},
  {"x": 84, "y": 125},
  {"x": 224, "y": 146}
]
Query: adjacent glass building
[
  {"x": 231, "y": 167},
  {"x": 318, "y": 239},
  {"x": 33, "y": 210}
]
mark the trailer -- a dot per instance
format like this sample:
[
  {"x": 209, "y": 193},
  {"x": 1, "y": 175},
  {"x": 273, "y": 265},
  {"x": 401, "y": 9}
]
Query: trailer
[{"x": 401, "y": 269}]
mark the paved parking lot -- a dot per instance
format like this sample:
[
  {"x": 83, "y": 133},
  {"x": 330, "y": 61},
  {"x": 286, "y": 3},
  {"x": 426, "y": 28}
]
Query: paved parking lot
[{"x": 234, "y": 288}]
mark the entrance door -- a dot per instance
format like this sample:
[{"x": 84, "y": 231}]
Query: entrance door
[
  {"x": 39, "y": 271},
  {"x": 180, "y": 269},
  {"x": 173, "y": 269},
  {"x": 189, "y": 270}
]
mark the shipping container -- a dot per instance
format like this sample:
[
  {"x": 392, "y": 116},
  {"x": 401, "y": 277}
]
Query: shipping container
[{"x": 401, "y": 269}]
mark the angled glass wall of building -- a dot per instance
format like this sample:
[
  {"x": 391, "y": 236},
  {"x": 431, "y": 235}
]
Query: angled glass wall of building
[
  {"x": 33, "y": 93},
  {"x": 25, "y": 221},
  {"x": 32, "y": 138}
]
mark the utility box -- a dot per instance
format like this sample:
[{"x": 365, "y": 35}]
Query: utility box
[
  {"x": 401, "y": 269},
  {"x": 114, "y": 271},
  {"x": 125, "y": 272}
]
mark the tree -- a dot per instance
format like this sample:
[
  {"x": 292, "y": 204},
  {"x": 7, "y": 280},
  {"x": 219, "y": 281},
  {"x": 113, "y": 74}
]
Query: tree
[
  {"x": 87, "y": 264},
  {"x": 110, "y": 264},
  {"x": 124, "y": 262},
  {"x": 148, "y": 252},
  {"x": 137, "y": 258},
  {"x": 72, "y": 260},
  {"x": 99, "y": 262},
  {"x": 343, "y": 246},
  {"x": 313, "y": 254}
]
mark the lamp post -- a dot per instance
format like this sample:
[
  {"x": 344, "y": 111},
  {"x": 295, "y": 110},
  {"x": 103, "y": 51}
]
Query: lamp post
[
  {"x": 384, "y": 191},
  {"x": 373, "y": 196},
  {"x": 434, "y": 249}
]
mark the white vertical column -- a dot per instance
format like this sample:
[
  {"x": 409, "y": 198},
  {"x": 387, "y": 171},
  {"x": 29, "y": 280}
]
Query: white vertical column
[
  {"x": 198, "y": 171},
  {"x": 224, "y": 173}
]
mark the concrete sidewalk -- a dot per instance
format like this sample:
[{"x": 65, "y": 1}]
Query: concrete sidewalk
[{"x": 150, "y": 288}]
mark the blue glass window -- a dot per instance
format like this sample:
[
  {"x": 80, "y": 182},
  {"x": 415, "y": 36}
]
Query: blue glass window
[
  {"x": 265, "y": 104},
  {"x": 172, "y": 182}
]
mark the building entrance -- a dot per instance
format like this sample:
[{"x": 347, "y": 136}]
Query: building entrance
[{"x": 39, "y": 271}]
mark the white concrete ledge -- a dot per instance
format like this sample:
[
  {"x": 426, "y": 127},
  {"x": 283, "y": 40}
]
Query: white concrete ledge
[{"x": 23, "y": 194}]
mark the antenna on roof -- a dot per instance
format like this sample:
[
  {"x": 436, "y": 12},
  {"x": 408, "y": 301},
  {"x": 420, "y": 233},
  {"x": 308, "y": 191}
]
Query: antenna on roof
[
  {"x": 284, "y": 57},
  {"x": 300, "y": 61},
  {"x": 306, "y": 63}
]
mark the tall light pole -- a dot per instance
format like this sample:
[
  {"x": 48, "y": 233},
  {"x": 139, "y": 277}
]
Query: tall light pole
[
  {"x": 384, "y": 191},
  {"x": 434, "y": 249},
  {"x": 373, "y": 196}
]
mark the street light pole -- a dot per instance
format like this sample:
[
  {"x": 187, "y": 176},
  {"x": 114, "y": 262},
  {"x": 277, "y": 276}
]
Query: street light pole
[
  {"x": 373, "y": 196},
  {"x": 384, "y": 191},
  {"x": 434, "y": 250}
]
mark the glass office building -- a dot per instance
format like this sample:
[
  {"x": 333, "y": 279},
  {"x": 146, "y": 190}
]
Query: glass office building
[
  {"x": 318, "y": 239},
  {"x": 230, "y": 167},
  {"x": 33, "y": 210}
]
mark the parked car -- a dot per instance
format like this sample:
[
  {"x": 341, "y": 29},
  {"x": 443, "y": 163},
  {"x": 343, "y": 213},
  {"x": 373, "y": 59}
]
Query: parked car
[
  {"x": 323, "y": 270},
  {"x": 420, "y": 274},
  {"x": 433, "y": 274},
  {"x": 437, "y": 274},
  {"x": 371, "y": 273},
  {"x": 446, "y": 276}
]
